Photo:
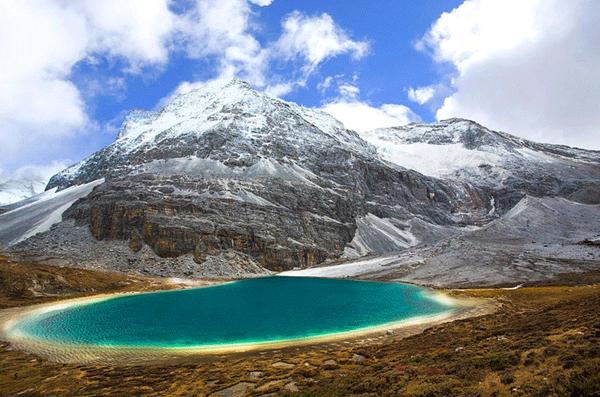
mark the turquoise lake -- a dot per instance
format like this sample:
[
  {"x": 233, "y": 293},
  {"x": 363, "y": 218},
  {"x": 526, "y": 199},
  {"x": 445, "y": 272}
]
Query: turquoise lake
[{"x": 249, "y": 311}]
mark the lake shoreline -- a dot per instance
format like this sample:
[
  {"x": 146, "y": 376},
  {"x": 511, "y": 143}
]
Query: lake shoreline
[
  {"x": 465, "y": 354},
  {"x": 81, "y": 353}
]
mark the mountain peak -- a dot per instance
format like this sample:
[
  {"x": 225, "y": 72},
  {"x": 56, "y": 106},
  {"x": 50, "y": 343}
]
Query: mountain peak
[
  {"x": 224, "y": 121},
  {"x": 443, "y": 132},
  {"x": 220, "y": 89},
  {"x": 237, "y": 82},
  {"x": 198, "y": 108},
  {"x": 456, "y": 120}
]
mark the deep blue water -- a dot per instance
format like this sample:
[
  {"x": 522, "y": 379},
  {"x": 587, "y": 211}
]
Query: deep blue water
[{"x": 256, "y": 310}]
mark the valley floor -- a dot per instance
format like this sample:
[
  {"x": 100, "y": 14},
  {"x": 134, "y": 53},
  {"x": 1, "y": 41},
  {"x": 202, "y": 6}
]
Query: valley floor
[{"x": 544, "y": 340}]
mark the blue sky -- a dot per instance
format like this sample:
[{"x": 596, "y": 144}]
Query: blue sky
[
  {"x": 391, "y": 28},
  {"x": 392, "y": 65},
  {"x": 71, "y": 71}
]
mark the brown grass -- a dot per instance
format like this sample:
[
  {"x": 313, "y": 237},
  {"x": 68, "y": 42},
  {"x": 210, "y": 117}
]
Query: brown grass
[
  {"x": 26, "y": 283},
  {"x": 544, "y": 341}
]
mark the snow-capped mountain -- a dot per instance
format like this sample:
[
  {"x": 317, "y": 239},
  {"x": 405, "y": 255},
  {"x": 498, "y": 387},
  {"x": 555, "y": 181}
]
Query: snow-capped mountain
[
  {"x": 38, "y": 213},
  {"x": 219, "y": 128},
  {"x": 225, "y": 167},
  {"x": 225, "y": 174},
  {"x": 462, "y": 150}
]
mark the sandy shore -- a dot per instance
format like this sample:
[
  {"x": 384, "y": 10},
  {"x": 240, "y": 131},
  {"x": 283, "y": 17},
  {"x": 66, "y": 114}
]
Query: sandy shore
[{"x": 81, "y": 353}]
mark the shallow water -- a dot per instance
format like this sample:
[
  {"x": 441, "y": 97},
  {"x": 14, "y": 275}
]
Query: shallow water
[{"x": 248, "y": 311}]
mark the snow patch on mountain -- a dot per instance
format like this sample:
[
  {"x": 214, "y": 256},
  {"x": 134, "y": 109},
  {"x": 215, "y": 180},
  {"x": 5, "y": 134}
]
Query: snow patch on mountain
[
  {"x": 350, "y": 269},
  {"x": 438, "y": 161},
  {"x": 37, "y": 216},
  {"x": 463, "y": 150},
  {"x": 14, "y": 190},
  {"x": 375, "y": 235},
  {"x": 239, "y": 195},
  {"x": 208, "y": 168},
  {"x": 216, "y": 104},
  {"x": 535, "y": 155}
]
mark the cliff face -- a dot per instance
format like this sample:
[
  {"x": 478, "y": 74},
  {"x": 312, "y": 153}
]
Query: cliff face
[
  {"x": 173, "y": 225},
  {"x": 227, "y": 170},
  {"x": 282, "y": 224}
]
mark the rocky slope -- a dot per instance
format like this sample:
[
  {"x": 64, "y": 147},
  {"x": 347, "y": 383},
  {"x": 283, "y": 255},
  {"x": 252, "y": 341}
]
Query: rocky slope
[
  {"x": 462, "y": 150},
  {"x": 228, "y": 168},
  {"x": 537, "y": 240},
  {"x": 226, "y": 175}
]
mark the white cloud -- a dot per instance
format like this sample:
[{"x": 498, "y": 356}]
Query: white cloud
[
  {"x": 348, "y": 91},
  {"x": 530, "y": 67},
  {"x": 315, "y": 39},
  {"x": 324, "y": 84},
  {"x": 421, "y": 95},
  {"x": 42, "y": 171},
  {"x": 262, "y": 3},
  {"x": 41, "y": 41},
  {"x": 361, "y": 116},
  {"x": 223, "y": 28},
  {"x": 279, "y": 89},
  {"x": 137, "y": 30}
]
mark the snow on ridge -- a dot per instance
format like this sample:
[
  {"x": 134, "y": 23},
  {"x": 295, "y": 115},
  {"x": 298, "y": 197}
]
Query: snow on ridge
[
  {"x": 436, "y": 150},
  {"x": 439, "y": 133},
  {"x": 209, "y": 168},
  {"x": 349, "y": 269},
  {"x": 433, "y": 160},
  {"x": 462, "y": 148},
  {"x": 250, "y": 122},
  {"x": 194, "y": 111},
  {"x": 203, "y": 108},
  {"x": 536, "y": 155},
  {"x": 375, "y": 235},
  {"x": 241, "y": 195},
  {"x": 39, "y": 215}
]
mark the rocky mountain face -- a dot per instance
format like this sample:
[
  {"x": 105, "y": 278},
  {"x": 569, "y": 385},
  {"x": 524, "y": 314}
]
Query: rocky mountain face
[
  {"x": 462, "y": 150},
  {"x": 226, "y": 167},
  {"x": 537, "y": 240},
  {"x": 224, "y": 174}
]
